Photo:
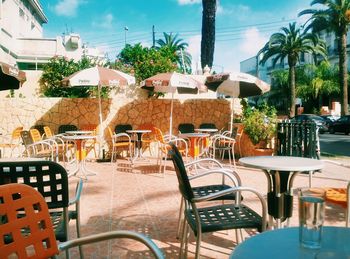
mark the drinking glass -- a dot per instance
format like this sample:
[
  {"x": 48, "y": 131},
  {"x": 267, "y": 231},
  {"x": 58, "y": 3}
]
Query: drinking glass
[{"x": 311, "y": 216}]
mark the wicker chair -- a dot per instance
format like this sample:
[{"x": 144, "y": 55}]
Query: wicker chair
[
  {"x": 213, "y": 218},
  {"x": 40, "y": 149},
  {"x": 23, "y": 198},
  {"x": 51, "y": 180}
]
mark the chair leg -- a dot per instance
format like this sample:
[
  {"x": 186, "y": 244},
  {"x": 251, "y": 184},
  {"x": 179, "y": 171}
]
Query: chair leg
[
  {"x": 198, "y": 245},
  {"x": 180, "y": 219},
  {"x": 183, "y": 239}
]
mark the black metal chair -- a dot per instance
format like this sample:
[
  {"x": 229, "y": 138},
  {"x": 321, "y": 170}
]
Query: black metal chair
[
  {"x": 186, "y": 128},
  {"x": 66, "y": 127},
  {"x": 122, "y": 128},
  {"x": 51, "y": 180},
  {"x": 205, "y": 219},
  {"x": 207, "y": 126}
]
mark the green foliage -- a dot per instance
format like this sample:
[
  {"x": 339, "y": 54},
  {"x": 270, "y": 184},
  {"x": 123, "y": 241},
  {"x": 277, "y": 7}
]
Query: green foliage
[
  {"x": 260, "y": 122},
  {"x": 57, "y": 69}
]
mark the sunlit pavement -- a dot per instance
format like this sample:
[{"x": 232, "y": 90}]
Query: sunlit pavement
[{"x": 139, "y": 198}]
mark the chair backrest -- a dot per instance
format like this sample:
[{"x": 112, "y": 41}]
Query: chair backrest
[
  {"x": 207, "y": 126},
  {"x": 40, "y": 128},
  {"x": 35, "y": 134},
  {"x": 182, "y": 177},
  {"x": 186, "y": 128},
  {"x": 297, "y": 139},
  {"x": 66, "y": 127},
  {"x": 34, "y": 217},
  {"x": 26, "y": 137},
  {"x": 122, "y": 128},
  {"x": 16, "y": 133},
  {"x": 158, "y": 135},
  {"x": 47, "y": 177},
  {"x": 48, "y": 132}
]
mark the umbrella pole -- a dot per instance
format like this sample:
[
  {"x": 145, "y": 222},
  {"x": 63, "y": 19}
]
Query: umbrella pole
[
  {"x": 100, "y": 131},
  {"x": 231, "y": 119},
  {"x": 171, "y": 115}
]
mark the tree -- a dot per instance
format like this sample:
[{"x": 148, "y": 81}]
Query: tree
[
  {"x": 175, "y": 48},
  {"x": 334, "y": 16},
  {"x": 145, "y": 62},
  {"x": 208, "y": 33},
  {"x": 58, "y": 68},
  {"x": 290, "y": 44},
  {"x": 314, "y": 82},
  {"x": 279, "y": 93}
]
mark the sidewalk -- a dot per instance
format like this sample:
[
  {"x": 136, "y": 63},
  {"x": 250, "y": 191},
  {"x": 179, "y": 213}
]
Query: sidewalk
[{"x": 140, "y": 199}]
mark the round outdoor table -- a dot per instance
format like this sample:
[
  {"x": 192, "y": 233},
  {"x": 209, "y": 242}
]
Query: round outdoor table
[
  {"x": 138, "y": 133},
  {"x": 284, "y": 243},
  {"x": 194, "y": 142},
  {"x": 81, "y": 161},
  {"x": 280, "y": 172}
]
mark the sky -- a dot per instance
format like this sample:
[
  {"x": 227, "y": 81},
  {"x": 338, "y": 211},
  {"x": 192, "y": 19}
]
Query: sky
[{"x": 242, "y": 26}]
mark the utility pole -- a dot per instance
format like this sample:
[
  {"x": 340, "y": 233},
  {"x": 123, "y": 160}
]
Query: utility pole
[
  {"x": 125, "y": 30},
  {"x": 153, "y": 37}
]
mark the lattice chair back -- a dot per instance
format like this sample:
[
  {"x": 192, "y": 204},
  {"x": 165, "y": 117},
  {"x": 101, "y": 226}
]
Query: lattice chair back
[
  {"x": 48, "y": 178},
  {"x": 184, "y": 182},
  {"x": 48, "y": 132},
  {"x": 35, "y": 134},
  {"x": 23, "y": 209},
  {"x": 26, "y": 137},
  {"x": 66, "y": 127}
]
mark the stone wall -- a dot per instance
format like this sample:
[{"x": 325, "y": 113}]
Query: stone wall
[{"x": 53, "y": 112}]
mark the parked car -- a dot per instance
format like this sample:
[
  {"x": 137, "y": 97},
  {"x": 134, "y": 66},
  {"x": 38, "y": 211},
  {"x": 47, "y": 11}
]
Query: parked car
[
  {"x": 320, "y": 122},
  {"x": 340, "y": 125},
  {"x": 330, "y": 118}
]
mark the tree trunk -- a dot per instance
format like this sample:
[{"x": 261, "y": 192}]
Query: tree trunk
[
  {"x": 208, "y": 33},
  {"x": 292, "y": 90},
  {"x": 343, "y": 73}
]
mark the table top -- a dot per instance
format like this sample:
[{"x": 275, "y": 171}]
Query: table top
[
  {"x": 79, "y": 132},
  {"x": 284, "y": 243},
  {"x": 139, "y": 131},
  {"x": 193, "y": 135},
  {"x": 282, "y": 163},
  {"x": 206, "y": 130},
  {"x": 79, "y": 137}
]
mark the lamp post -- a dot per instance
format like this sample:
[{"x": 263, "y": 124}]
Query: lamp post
[{"x": 125, "y": 30}]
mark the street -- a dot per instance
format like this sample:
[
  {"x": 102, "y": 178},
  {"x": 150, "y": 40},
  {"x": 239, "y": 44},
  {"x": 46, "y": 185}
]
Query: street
[{"x": 337, "y": 144}]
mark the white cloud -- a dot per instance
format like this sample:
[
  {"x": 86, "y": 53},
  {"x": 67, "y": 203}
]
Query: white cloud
[
  {"x": 105, "y": 22},
  {"x": 187, "y": 2},
  {"x": 252, "y": 41},
  {"x": 67, "y": 7}
]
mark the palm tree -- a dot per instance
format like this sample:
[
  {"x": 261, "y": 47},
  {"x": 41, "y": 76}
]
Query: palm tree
[
  {"x": 176, "y": 47},
  {"x": 335, "y": 16},
  {"x": 208, "y": 33},
  {"x": 291, "y": 43}
]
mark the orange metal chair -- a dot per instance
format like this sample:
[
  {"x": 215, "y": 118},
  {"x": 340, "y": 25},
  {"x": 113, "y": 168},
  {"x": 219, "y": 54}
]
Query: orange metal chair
[
  {"x": 120, "y": 142},
  {"x": 14, "y": 142},
  {"x": 147, "y": 138},
  {"x": 23, "y": 200},
  {"x": 90, "y": 145}
]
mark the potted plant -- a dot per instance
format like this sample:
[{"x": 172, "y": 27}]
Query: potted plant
[{"x": 260, "y": 126}]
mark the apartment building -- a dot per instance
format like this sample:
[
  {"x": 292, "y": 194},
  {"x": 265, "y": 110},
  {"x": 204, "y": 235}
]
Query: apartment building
[{"x": 22, "y": 43}]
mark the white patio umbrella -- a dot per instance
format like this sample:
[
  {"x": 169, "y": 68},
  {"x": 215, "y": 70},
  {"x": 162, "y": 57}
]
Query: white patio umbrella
[
  {"x": 236, "y": 84},
  {"x": 170, "y": 83},
  {"x": 98, "y": 76}
]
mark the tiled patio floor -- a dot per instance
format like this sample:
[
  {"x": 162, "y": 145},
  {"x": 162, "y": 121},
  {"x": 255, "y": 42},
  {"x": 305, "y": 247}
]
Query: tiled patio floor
[{"x": 141, "y": 199}]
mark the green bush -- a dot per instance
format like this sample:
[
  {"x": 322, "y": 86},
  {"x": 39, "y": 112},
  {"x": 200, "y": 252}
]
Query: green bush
[{"x": 259, "y": 123}]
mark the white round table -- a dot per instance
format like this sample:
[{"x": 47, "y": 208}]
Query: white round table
[
  {"x": 280, "y": 172},
  {"x": 81, "y": 162},
  {"x": 284, "y": 243},
  {"x": 194, "y": 143}
]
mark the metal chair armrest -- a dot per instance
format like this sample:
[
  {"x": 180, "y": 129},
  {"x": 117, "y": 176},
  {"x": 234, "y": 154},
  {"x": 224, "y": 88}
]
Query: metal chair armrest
[
  {"x": 78, "y": 191},
  {"x": 232, "y": 175},
  {"x": 112, "y": 235}
]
